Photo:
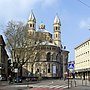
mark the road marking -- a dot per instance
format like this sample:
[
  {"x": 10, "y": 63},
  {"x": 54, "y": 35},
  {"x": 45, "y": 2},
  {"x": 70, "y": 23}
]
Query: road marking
[{"x": 42, "y": 86}]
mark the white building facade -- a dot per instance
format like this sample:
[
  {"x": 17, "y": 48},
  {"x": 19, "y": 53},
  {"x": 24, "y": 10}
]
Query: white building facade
[{"x": 82, "y": 59}]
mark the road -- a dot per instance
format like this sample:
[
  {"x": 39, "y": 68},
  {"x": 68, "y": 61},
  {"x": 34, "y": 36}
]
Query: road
[
  {"x": 45, "y": 89},
  {"x": 44, "y": 85},
  {"x": 41, "y": 85}
]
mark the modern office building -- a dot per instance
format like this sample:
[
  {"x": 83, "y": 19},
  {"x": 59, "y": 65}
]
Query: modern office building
[{"x": 82, "y": 59}]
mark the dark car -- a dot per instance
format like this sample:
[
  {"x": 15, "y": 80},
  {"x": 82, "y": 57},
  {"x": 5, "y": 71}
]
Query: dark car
[
  {"x": 3, "y": 78},
  {"x": 28, "y": 79},
  {"x": 31, "y": 79},
  {"x": 18, "y": 80},
  {"x": 34, "y": 78}
]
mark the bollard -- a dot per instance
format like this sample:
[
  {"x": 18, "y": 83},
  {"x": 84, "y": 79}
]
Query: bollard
[
  {"x": 68, "y": 78},
  {"x": 71, "y": 83},
  {"x": 82, "y": 82},
  {"x": 75, "y": 83},
  {"x": 86, "y": 82}
]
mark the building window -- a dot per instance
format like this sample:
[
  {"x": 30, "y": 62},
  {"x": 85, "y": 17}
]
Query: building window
[
  {"x": 30, "y": 25},
  {"x": 48, "y": 56},
  {"x": 49, "y": 70},
  {"x": 32, "y": 68},
  {"x": 56, "y": 35},
  {"x": 37, "y": 70},
  {"x": 56, "y": 28},
  {"x": 33, "y": 25}
]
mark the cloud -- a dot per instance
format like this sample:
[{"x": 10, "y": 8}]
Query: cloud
[
  {"x": 15, "y": 8},
  {"x": 21, "y": 4},
  {"x": 85, "y": 23},
  {"x": 34, "y": 2}
]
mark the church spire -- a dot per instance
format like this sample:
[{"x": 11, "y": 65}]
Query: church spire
[
  {"x": 32, "y": 22},
  {"x": 32, "y": 17},
  {"x": 57, "y": 20}
]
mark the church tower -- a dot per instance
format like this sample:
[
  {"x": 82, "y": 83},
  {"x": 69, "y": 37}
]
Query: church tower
[
  {"x": 32, "y": 24},
  {"x": 57, "y": 32},
  {"x": 31, "y": 28}
]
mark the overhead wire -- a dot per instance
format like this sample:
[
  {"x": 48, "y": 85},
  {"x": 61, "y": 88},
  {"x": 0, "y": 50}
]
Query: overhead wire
[{"x": 83, "y": 3}]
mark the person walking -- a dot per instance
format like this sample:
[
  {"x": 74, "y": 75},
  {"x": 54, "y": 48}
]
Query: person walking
[{"x": 9, "y": 79}]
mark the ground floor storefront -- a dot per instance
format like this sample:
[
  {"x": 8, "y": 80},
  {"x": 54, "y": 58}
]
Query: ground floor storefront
[{"x": 82, "y": 74}]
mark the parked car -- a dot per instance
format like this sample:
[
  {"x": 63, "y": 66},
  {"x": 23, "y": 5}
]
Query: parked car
[
  {"x": 34, "y": 78},
  {"x": 28, "y": 79},
  {"x": 4, "y": 78},
  {"x": 18, "y": 80},
  {"x": 31, "y": 79}
]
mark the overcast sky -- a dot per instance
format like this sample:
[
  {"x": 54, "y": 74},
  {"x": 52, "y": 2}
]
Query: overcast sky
[{"x": 74, "y": 16}]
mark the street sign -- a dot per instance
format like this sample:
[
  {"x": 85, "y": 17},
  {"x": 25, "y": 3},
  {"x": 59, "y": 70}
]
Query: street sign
[{"x": 71, "y": 66}]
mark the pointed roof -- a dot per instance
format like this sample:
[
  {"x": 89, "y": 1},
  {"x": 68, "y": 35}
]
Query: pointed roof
[
  {"x": 57, "y": 20},
  {"x": 2, "y": 41},
  {"x": 32, "y": 17}
]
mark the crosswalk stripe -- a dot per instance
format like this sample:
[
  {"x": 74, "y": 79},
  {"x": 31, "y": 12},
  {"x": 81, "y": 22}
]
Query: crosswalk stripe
[
  {"x": 42, "y": 86},
  {"x": 50, "y": 86}
]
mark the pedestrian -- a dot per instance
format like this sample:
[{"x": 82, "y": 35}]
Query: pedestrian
[
  {"x": 9, "y": 79},
  {"x": 64, "y": 78}
]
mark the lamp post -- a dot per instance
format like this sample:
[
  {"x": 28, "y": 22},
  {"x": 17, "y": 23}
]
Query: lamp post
[{"x": 68, "y": 78}]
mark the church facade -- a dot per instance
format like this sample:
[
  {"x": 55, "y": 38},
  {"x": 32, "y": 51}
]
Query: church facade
[
  {"x": 48, "y": 57},
  {"x": 53, "y": 59}
]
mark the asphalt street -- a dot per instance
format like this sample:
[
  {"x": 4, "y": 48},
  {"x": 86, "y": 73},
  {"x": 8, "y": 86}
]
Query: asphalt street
[{"x": 47, "y": 85}]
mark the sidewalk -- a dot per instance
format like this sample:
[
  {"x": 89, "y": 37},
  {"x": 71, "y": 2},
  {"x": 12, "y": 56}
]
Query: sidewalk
[
  {"x": 79, "y": 88},
  {"x": 3, "y": 83},
  {"x": 80, "y": 85}
]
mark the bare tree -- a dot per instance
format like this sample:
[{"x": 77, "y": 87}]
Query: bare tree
[{"x": 18, "y": 43}]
